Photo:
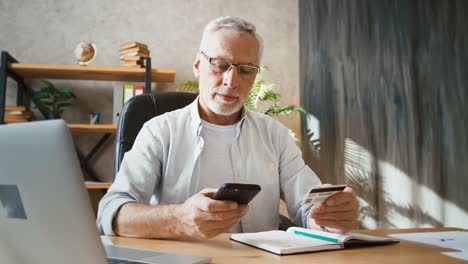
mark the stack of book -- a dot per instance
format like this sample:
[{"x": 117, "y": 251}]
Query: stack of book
[
  {"x": 16, "y": 114},
  {"x": 133, "y": 54}
]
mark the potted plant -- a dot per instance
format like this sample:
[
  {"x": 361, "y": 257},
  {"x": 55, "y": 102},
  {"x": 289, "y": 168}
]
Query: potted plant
[{"x": 52, "y": 100}]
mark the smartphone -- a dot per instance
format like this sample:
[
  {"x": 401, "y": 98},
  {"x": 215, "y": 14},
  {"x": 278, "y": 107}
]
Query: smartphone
[
  {"x": 241, "y": 193},
  {"x": 319, "y": 194}
]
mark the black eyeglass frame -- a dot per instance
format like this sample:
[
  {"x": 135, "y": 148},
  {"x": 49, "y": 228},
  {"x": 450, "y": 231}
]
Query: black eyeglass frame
[{"x": 210, "y": 59}]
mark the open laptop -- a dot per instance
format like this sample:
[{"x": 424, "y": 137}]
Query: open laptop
[{"x": 45, "y": 212}]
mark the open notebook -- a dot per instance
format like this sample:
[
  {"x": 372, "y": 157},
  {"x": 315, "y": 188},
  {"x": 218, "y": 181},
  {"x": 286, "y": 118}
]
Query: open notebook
[{"x": 300, "y": 240}]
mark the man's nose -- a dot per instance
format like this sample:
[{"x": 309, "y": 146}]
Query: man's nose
[{"x": 231, "y": 77}]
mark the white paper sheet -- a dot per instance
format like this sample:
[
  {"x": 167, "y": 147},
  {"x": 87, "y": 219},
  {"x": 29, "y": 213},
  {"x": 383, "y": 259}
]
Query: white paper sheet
[
  {"x": 459, "y": 255},
  {"x": 457, "y": 240},
  {"x": 106, "y": 241}
]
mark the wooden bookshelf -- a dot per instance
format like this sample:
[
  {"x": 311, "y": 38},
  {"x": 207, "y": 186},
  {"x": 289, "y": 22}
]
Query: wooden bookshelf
[
  {"x": 19, "y": 72},
  {"x": 88, "y": 128},
  {"x": 90, "y": 185},
  {"x": 98, "y": 73}
]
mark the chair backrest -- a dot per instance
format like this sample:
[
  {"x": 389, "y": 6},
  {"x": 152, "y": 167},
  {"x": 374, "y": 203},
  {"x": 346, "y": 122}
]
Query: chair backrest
[{"x": 140, "y": 109}]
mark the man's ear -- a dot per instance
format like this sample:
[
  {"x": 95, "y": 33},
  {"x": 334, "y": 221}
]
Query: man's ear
[{"x": 196, "y": 67}]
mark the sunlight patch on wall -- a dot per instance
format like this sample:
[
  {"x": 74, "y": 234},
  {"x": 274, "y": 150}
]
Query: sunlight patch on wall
[
  {"x": 422, "y": 204},
  {"x": 395, "y": 200},
  {"x": 358, "y": 169}
]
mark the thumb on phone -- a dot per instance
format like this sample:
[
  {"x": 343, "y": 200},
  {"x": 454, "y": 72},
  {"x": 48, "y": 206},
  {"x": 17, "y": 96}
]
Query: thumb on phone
[{"x": 208, "y": 192}]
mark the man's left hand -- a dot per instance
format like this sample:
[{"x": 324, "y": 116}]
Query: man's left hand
[{"x": 339, "y": 211}]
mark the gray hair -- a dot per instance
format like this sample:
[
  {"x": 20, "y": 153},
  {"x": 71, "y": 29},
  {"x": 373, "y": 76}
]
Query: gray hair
[{"x": 235, "y": 23}]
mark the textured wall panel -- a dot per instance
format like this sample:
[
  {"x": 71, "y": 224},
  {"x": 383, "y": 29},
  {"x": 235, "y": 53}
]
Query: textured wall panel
[{"x": 387, "y": 82}]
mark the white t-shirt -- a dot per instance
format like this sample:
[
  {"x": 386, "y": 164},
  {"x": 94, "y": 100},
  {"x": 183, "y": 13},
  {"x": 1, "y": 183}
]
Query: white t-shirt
[{"x": 214, "y": 166}]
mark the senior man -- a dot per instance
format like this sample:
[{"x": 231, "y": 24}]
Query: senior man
[{"x": 166, "y": 182}]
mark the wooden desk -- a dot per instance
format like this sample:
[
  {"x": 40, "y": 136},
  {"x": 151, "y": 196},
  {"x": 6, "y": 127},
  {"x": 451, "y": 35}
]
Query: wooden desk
[{"x": 223, "y": 250}]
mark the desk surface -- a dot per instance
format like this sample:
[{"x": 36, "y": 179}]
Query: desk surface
[{"x": 223, "y": 250}]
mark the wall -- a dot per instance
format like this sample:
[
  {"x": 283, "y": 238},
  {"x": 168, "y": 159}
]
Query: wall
[
  {"x": 48, "y": 31},
  {"x": 387, "y": 84}
]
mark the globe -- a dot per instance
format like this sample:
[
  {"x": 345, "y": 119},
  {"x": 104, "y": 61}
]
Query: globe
[{"x": 85, "y": 53}]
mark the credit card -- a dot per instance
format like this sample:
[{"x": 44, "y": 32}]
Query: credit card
[{"x": 319, "y": 194}]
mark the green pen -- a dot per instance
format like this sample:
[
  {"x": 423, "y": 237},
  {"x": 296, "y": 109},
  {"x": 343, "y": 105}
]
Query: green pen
[{"x": 329, "y": 239}]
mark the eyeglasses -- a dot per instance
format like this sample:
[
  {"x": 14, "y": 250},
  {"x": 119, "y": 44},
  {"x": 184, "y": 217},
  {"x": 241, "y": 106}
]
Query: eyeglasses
[{"x": 221, "y": 66}]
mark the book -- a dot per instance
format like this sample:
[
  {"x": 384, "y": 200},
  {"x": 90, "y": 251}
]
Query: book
[
  {"x": 301, "y": 240},
  {"x": 128, "y": 92},
  {"x": 133, "y": 44},
  {"x": 8, "y": 119},
  {"x": 16, "y": 114},
  {"x": 139, "y": 89},
  {"x": 122, "y": 93},
  {"x": 125, "y": 62},
  {"x": 132, "y": 58},
  {"x": 134, "y": 49},
  {"x": 134, "y": 53},
  {"x": 15, "y": 109}
]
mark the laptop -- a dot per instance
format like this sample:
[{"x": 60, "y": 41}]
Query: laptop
[{"x": 45, "y": 211}]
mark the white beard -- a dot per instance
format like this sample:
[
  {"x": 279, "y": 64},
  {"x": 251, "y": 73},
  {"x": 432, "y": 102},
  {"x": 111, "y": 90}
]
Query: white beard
[{"x": 220, "y": 108}]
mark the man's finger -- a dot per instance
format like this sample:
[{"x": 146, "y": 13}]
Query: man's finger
[
  {"x": 209, "y": 192},
  {"x": 345, "y": 196},
  {"x": 341, "y": 225},
  {"x": 221, "y": 216},
  {"x": 323, "y": 208},
  {"x": 346, "y": 215},
  {"x": 207, "y": 204}
]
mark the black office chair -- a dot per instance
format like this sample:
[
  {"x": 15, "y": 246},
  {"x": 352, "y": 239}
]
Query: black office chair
[{"x": 142, "y": 108}]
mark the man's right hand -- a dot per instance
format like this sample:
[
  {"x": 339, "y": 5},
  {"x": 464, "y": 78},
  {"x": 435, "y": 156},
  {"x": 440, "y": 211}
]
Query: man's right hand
[{"x": 202, "y": 217}]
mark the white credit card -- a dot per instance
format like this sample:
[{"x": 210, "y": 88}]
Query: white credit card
[{"x": 319, "y": 194}]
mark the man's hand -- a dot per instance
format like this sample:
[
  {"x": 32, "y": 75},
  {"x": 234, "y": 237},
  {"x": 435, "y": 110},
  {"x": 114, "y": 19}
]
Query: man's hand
[
  {"x": 339, "y": 211},
  {"x": 203, "y": 217}
]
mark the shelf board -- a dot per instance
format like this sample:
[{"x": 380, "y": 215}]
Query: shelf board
[
  {"x": 98, "y": 73},
  {"x": 97, "y": 185},
  {"x": 88, "y": 128}
]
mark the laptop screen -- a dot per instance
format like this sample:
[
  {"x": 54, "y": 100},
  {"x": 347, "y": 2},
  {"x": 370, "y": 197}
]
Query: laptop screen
[{"x": 45, "y": 211}]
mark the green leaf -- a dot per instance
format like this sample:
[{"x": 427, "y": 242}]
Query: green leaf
[
  {"x": 302, "y": 110},
  {"x": 52, "y": 100},
  {"x": 190, "y": 86},
  {"x": 268, "y": 94},
  {"x": 64, "y": 89},
  {"x": 48, "y": 103},
  {"x": 48, "y": 83},
  {"x": 40, "y": 95},
  {"x": 61, "y": 105}
]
